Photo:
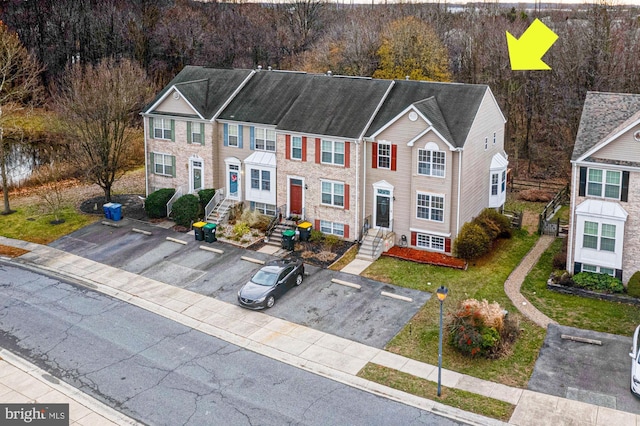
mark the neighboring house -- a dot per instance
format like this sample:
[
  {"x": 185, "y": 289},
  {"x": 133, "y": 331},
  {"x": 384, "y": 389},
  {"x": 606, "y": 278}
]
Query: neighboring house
[
  {"x": 414, "y": 159},
  {"x": 605, "y": 187}
]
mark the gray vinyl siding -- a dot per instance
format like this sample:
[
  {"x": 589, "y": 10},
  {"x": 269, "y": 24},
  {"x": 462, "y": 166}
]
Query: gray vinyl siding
[
  {"x": 476, "y": 161},
  {"x": 624, "y": 148}
]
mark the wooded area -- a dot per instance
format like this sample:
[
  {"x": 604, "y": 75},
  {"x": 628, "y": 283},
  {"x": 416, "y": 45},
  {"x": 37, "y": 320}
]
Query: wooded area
[{"x": 598, "y": 49}]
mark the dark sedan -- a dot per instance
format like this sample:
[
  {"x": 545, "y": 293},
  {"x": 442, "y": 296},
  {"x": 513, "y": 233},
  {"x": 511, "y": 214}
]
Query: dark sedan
[{"x": 271, "y": 282}]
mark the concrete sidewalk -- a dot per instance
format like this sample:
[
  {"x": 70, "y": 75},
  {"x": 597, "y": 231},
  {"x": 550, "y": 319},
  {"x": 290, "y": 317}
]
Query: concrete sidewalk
[{"x": 324, "y": 354}]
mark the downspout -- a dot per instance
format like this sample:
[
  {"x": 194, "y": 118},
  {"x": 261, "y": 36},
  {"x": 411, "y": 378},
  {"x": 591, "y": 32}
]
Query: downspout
[
  {"x": 146, "y": 156},
  {"x": 572, "y": 222},
  {"x": 364, "y": 183},
  {"x": 459, "y": 190},
  {"x": 357, "y": 230}
]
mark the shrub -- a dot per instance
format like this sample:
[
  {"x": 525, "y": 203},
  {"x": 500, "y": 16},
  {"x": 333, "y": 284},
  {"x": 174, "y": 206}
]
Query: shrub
[
  {"x": 185, "y": 210},
  {"x": 598, "y": 282},
  {"x": 472, "y": 242},
  {"x": 316, "y": 236},
  {"x": 205, "y": 195},
  {"x": 495, "y": 223},
  {"x": 156, "y": 203},
  {"x": 481, "y": 329},
  {"x": 633, "y": 286},
  {"x": 331, "y": 240},
  {"x": 240, "y": 229}
]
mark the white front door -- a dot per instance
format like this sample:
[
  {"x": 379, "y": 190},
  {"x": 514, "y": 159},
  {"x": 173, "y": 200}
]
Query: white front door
[{"x": 195, "y": 175}]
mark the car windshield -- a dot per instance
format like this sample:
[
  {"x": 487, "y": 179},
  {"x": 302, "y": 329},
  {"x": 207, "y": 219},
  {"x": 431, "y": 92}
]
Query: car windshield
[{"x": 265, "y": 278}]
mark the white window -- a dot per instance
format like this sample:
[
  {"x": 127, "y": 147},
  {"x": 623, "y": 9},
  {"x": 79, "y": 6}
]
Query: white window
[
  {"x": 265, "y": 139},
  {"x": 332, "y": 228},
  {"x": 162, "y": 128},
  {"x": 598, "y": 269},
  {"x": 261, "y": 179},
  {"x": 163, "y": 164},
  {"x": 430, "y": 242},
  {"x": 599, "y": 237},
  {"x": 268, "y": 209},
  {"x": 431, "y": 163},
  {"x": 384, "y": 155},
  {"x": 332, "y": 193},
  {"x": 332, "y": 152},
  {"x": 233, "y": 135},
  {"x": 296, "y": 147},
  {"x": 430, "y": 207},
  {"x": 196, "y": 135},
  {"x": 504, "y": 181},
  {"x": 495, "y": 180},
  {"x": 604, "y": 183}
]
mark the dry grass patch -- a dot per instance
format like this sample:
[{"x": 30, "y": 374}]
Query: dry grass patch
[{"x": 12, "y": 251}]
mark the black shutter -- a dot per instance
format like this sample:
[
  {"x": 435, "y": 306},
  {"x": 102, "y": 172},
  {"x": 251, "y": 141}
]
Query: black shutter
[
  {"x": 583, "y": 182},
  {"x": 624, "y": 195},
  {"x": 577, "y": 267},
  {"x": 619, "y": 274}
]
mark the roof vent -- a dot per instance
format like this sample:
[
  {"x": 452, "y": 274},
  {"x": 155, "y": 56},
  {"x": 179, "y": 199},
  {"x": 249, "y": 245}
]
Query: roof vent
[
  {"x": 329, "y": 73},
  {"x": 406, "y": 77},
  {"x": 269, "y": 68},
  {"x": 636, "y": 135},
  {"x": 259, "y": 67}
]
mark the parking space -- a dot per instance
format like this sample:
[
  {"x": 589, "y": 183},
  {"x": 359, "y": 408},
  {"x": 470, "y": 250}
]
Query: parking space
[
  {"x": 596, "y": 374},
  {"x": 362, "y": 315}
]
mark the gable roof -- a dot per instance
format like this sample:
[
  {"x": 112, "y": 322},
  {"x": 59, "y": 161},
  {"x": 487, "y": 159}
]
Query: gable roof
[
  {"x": 430, "y": 109},
  {"x": 603, "y": 115},
  {"x": 266, "y": 98},
  {"x": 458, "y": 105},
  {"x": 335, "y": 106},
  {"x": 206, "y": 89}
]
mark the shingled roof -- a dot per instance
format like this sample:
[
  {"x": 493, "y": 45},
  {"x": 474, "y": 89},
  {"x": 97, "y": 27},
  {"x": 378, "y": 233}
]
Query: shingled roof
[
  {"x": 207, "y": 89},
  {"x": 335, "y": 106},
  {"x": 603, "y": 114},
  {"x": 458, "y": 104}
]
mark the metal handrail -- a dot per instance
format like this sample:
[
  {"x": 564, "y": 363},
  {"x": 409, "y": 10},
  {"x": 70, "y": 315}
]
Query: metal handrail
[
  {"x": 377, "y": 240},
  {"x": 173, "y": 199},
  {"x": 364, "y": 229},
  {"x": 212, "y": 204},
  {"x": 280, "y": 211}
]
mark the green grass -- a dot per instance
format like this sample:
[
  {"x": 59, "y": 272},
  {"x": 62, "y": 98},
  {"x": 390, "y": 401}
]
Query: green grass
[
  {"x": 574, "y": 311},
  {"x": 483, "y": 279},
  {"x": 28, "y": 223},
  {"x": 345, "y": 259},
  {"x": 426, "y": 389}
]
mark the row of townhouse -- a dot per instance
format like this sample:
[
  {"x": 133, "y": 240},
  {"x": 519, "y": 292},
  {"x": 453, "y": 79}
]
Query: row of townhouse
[
  {"x": 416, "y": 158},
  {"x": 605, "y": 187}
]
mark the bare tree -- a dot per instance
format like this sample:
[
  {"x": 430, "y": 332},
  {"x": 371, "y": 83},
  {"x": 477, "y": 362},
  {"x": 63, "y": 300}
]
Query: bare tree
[
  {"x": 100, "y": 104},
  {"x": 19, "y": 87}
]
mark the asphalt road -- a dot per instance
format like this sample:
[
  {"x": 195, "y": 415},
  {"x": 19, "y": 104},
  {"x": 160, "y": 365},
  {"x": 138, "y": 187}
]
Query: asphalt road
[
  {"x": 597, "y": 374},
  {"x": 364, "y": 315},
  {"x": 163, "y": 373}
]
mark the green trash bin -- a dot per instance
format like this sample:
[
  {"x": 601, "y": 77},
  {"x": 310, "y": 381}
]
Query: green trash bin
[
  {"x": 305, "y": 230},
  {"x": 288, "y": 239},
  {"x": 198, "y": 231},
  {"x": 210, "y": 232}
]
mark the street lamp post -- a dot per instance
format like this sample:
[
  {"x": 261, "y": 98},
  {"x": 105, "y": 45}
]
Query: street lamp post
[{"x": 442, "y": 294}]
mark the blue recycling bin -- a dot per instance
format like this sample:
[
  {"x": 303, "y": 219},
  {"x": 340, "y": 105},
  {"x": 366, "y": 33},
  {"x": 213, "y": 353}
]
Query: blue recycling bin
[
  {"x": 107, "y": 210},
  {"x": 116, "y": 211}
]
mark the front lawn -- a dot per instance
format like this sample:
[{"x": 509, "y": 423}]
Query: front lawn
[
  {"x": 484, "y": 279},
  {"x": 574, "y": 311}
]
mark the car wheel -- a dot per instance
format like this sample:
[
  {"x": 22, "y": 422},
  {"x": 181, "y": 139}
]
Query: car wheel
[
  {"x": 299, "y": 279},
  {"x": 271, "y": 301}
]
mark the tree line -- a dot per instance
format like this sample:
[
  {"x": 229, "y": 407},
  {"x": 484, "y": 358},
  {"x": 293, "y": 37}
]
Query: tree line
[{"x": 598, "y": 49}]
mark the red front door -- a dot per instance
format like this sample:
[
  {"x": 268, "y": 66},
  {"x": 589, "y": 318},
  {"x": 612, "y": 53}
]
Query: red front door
[{"x": 295, "y": 196}]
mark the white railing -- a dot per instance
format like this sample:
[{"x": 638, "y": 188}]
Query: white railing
[
  {"x": 217, "y": 199},
  {"x": 176, "y": 195}
]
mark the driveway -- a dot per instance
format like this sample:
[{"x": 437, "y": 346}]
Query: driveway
[
  {"x": 596, "y": 374},
  {"x": 362, "y": 315}
]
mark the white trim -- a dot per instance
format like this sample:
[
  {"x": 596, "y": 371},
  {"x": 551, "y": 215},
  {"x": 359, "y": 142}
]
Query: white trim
[
  {"x": 431, "y": 175},
  {"x": 398, "y": 117},
  {"x": 375, "y": 112},
  {"x": 424, "y": 132},
  {"x": 437, "y": 234},
  {"x": 167, "y": 93},
  {"x": 385, "y": 186},
  {"x": 459, "y": 189},
  {"x": 289, "y": 178},
  {"x": 191, "y": 177},
  {"x": 431, "y": 195},
  {"x": 609, "y": 138},
  {"x": 236, "y": 162}
]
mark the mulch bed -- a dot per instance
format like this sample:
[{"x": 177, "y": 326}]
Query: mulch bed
[
  {"x": 132, "y": 206},
  {"x": 423, "y": 256},
  {"x": 319, "y": 253}
]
